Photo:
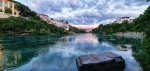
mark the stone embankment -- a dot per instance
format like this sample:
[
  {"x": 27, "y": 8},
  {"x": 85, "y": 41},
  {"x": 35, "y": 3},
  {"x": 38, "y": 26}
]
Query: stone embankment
[
  {"x": 130, "y": 35},
  {"x": 107, "y": 61}
]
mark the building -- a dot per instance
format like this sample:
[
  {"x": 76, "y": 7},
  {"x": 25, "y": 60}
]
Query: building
[
  {"x": 59, "y": 23},
  {"x": 8, "y": 4},
  {"x": 44, "y": 17},
  {"x": 121, "y": 19}
]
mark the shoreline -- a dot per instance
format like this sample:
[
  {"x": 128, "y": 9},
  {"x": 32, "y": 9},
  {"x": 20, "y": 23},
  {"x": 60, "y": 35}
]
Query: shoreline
[{"x": 130, "y": 34}]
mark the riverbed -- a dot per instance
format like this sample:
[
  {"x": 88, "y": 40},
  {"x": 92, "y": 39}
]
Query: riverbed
[{"x": 59, "y": 52}]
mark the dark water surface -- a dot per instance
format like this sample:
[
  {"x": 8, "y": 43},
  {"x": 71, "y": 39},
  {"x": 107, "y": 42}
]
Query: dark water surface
[{"x": 58, "y": 53}]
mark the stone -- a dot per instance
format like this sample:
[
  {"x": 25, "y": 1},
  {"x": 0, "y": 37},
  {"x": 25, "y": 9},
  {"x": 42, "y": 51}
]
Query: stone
[{"x": 106, "y": 61}]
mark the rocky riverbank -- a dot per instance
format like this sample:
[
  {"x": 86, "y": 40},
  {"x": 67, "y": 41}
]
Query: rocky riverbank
[{"x": 131, "y": 34}]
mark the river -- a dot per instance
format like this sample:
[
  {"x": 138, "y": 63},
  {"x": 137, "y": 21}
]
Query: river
[{"x": 59, "y": 52}]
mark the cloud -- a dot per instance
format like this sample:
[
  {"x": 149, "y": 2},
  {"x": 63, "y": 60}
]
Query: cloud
[{"x": 87, "y": 12}]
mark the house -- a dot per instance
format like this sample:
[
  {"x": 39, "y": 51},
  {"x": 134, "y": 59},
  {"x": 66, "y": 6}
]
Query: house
[
  {"x": 121, "y": 19},
  {"x": 8, "y": 4},
  {"x": 44, "y": 17},
  {"x": 59, "y": 23}
]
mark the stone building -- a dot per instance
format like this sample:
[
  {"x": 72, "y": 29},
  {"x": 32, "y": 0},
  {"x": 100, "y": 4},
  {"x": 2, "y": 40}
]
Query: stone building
[
  {"x": 44, "y": 17},
  {"x": 8, "y": 4},
  {"x": 59, "y": 23}
]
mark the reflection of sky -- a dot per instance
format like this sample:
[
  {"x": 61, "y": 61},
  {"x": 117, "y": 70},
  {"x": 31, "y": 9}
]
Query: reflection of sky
[
  {"x": 87, "y": 38},
  {"x": 62, "y": 55},
  {"x": 131, "y": 64}
]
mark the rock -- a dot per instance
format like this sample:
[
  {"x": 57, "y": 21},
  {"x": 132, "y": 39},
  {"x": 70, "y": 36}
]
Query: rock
[
  {"x": 122, "y": 48},
  {"x": 107, "y": 61}
]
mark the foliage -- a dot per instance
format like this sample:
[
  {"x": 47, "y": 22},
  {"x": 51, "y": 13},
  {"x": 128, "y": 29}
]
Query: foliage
[
  {"x": 25, "y": 11},
  {"x": 75, "y": 30},
  {"x": 141, "y": 53},
  {"x": 16, "y": 26},
  {"x": 140, "y": 24},
  {"x": 8, "y": 11},
  {"x": 113, "y": 28}
]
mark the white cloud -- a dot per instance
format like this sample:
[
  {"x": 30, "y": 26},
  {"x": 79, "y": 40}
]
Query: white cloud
[{"x": 88, "y": 11}]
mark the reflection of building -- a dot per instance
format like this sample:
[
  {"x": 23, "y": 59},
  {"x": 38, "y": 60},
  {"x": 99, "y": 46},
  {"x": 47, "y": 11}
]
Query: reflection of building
[
  {"x": 8, "y": 4},
  {"x": 1, "y": 53},
  {"x": 121, "y": 19}
]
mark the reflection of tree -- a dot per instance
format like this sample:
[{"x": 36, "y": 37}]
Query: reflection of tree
[
  {"x": 141, "y": 54},
  {"x": 19, "y": 50},
  {"x": 9, "y": 59},
  {"x": 114, "y": 40}
]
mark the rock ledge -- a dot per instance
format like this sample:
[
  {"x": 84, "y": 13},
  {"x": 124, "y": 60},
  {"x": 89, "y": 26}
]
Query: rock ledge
[{"x": 107, "y": 61}]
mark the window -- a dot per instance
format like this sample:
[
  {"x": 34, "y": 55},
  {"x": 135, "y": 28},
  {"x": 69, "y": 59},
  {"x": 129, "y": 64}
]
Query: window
[
  {"x": 6, "y": 4},
  {"x": 15, "y": 13},
  {"x": 10, "y": 5},
  {"x": 1, "y": 10}
]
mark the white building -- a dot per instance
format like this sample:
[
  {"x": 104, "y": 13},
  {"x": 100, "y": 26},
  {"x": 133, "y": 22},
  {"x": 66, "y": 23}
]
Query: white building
[
  {"x": 59, "y": 23},
  {"x": 121, "y": 19}
]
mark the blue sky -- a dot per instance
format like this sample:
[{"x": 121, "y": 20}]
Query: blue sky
[{"x": 87, "y": 12}]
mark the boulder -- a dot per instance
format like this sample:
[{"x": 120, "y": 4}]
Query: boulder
[{"x": 107, "y": 61}]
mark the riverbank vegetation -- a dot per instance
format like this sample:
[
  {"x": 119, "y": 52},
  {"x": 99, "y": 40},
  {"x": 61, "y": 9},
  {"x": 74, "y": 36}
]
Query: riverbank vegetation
[
  {"x": 26, "y": 12},
  {"x": 29, "y": 24},
  {"x": 76, "y": 30},
  {"x": 140, "y": 24},
  {"x": 22, "y": 26},
  {"x": 113, "y": 28}
]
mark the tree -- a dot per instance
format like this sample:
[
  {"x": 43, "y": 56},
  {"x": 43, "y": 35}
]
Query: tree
[
  {"x": 8, "y": 11},
  {"x": 25, "y": 11}
]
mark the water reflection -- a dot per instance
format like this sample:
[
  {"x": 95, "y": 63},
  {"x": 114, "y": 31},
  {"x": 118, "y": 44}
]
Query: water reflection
[
  {"x": 62, "y": 54},
  {"x": 18, "y": 50},
  {"x": 87, "y": 38}
]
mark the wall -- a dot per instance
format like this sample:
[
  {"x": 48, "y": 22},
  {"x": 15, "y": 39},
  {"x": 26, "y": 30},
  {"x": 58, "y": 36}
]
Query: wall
[{"x": 8, "y": 3}]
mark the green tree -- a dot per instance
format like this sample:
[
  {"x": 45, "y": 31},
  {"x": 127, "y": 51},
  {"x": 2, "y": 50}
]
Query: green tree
[
  {"x": 8, "y": 11},
  {"x": 25, "y": 11}
]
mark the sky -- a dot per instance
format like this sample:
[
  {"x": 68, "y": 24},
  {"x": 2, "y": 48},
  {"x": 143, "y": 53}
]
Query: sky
[{"x": 87, "y": 12}]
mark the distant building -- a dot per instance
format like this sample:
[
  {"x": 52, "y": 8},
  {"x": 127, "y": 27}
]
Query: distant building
[
  {"x": 8, "y": 4},
  {"x": 59, "y": 23},
  {"x": 44, "y": 17},
  {"x": 121, "y": 19}
]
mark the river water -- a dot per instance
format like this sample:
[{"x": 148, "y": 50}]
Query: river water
[{"x": 58, "y": 53}]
